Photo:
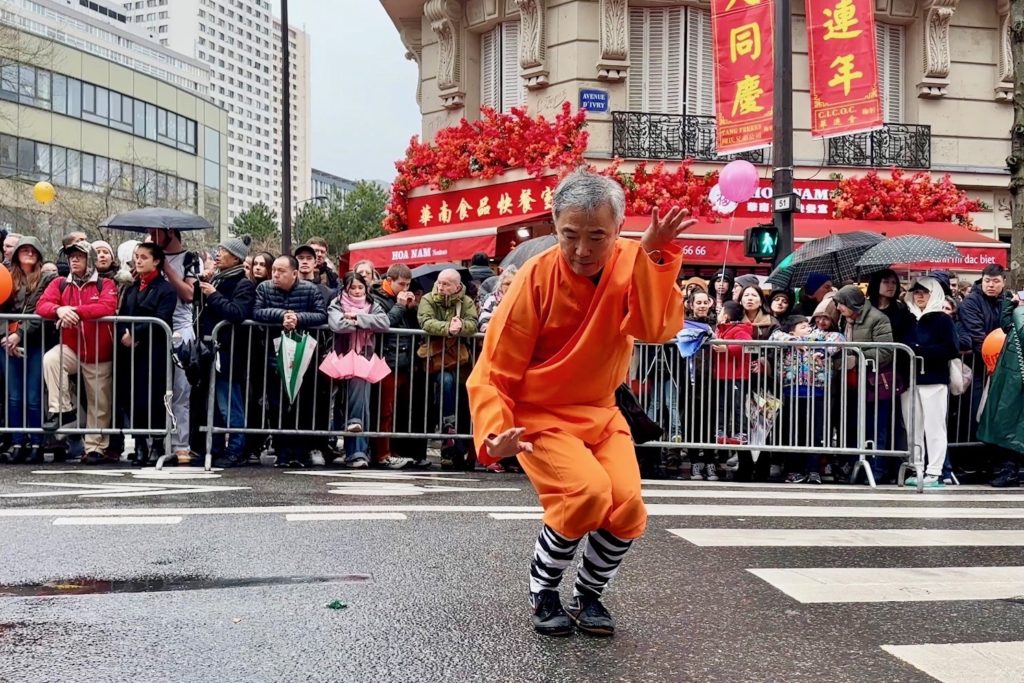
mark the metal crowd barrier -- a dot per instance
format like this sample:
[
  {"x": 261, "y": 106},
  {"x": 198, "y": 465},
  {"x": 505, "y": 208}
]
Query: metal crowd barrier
[{"x": 61, "y": 403}]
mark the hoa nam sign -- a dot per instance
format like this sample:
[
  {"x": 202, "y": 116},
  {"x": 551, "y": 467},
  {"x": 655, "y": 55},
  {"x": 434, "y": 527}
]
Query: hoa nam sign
[
  {"x": 815, "y": 199},
  {"x": 418, "y": 254}
]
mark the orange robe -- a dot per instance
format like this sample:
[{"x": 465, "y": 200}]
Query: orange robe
[{"x": 555, "y": 351}]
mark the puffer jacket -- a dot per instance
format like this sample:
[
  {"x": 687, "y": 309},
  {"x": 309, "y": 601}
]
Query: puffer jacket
[
  {"x": 734, "y": 363},
  {"x": 93, "y": 342},
  {"x": 397, "y": 348},
  {"x": 980, "y": 314},
  {"x": 232, "y": 302},
  {"x": 933, "y": 339},
  {"x": 304, "y": 299},
  {"x": 437, "y": 310}
]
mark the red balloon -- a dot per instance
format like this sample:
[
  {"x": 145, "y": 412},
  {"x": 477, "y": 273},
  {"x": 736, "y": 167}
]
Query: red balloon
[{"x": 6, "y": 284}]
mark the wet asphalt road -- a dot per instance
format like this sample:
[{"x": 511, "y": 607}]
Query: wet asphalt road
[{"x": 439, "y": 595}]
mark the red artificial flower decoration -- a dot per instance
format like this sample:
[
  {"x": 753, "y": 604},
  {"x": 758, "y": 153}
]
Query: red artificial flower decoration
[
  {"x": 659, "y": 187},
  {"x": 903, "y": 197}
]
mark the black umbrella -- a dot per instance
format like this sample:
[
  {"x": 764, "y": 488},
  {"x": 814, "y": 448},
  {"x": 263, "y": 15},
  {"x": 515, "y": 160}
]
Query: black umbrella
[
  {"x": 835, "y": 256},
  {"x": 528, "y": 249},
  {"x": 424, "y": 277},
  {"x": 907, "y": 249},
  {"x": 141, "y": 220}
]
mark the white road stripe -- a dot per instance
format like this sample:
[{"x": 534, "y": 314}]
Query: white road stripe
[
  {"x": 911, "y": 496},
  {"x": 901, "y": 538},
  {"x": 725, "y": 485},
  {"x": 516, "y": 515},
  {"x": 110, "y": 521},
  {"x": 336, "y": 516},
  {"x": 965, "y": 662},
  {"x": 918, "y": 584}
]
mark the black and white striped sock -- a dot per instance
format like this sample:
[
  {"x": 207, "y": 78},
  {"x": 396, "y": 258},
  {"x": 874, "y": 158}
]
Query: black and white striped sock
[
  {"x": 551, "y": 557},
  {"x": 602, "y": 555}
]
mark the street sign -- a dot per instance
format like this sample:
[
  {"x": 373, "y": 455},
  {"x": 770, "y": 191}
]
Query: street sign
[{"x": 593, "y": 100}]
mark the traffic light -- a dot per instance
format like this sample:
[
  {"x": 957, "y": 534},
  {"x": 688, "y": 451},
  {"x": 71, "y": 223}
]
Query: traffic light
[{"x": 761, "y": 242}]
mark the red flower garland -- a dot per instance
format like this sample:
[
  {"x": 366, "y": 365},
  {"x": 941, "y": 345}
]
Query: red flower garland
[
  {"x": 658, "y": 187},
  {"x": 903, "y": 197}
]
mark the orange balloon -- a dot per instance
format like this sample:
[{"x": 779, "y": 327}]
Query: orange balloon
[
  {"x": 6, "y": 284},
  {"x": 992, "y": 347}
]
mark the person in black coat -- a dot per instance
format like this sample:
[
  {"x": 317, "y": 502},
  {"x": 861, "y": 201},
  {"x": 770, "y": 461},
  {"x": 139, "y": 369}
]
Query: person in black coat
[
  {"x": 932, "y": 336},
  {"x": 885, "y": 294},
  {"x": 142, "y": 351},
  {"x": 228, "y": 298}
]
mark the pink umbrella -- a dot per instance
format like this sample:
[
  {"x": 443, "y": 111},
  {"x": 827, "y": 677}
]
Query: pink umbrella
[
  {"x": 362, "y": 366},
  {"x": 378, "y": 370},
  {"x": 329, "y": 365}
]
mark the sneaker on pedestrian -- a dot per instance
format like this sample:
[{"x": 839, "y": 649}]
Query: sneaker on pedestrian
[
  {"x": 710, "y": 472},
  {"x": 933, "y": 482},
  {"x": 358, "y": 463},
  {"x": 316, "y": 458},
  {"x": 796, "y": 478},
  {"x": 422, "y": 464},
  {"x": 591, "y": 617},
  {"x": 549, "y": 617},
  {"x": 733, "y": 462},
  {"x": 355, "y": 428},
  {"x": 1008, "y": 477},
  {"x": 94, "y": 458},
  {"x": 394, "y": 463},
  {"x": 697, "y": 471},
  {"x": 813, "y": 478}
]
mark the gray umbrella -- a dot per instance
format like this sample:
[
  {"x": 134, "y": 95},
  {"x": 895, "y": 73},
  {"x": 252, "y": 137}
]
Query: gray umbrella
[
  {"x": 424, "y": 277},
  {"x": 141, "y": 220},
  {"x": 907, "y": 249},
  {"x": 527, "y": 250},
  {"x": 835, "y": 255}
]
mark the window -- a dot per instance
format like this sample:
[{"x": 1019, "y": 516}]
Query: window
[
  {"x": 59, "y": 165},
  {"x": 88, "y": 98},
  {"x": 26, "y": 157},
  {"x": 139, "y": 126},
  {"x": 102, "y": 103},
  {"x": 74, "y": 168},
  {"x": 88, "y": 171},
  {"x": 42, "y": 169},
  {"x": 9, "y": 153},
  {"x": 27, "y": 84},
  {"x": 74, "y": 97},
  {"x": 9, "y": 80},
  {"x": 890, "y": 40},
  {"x": 656, "y": 59},
  {"x": 150, "y": 121},
  {"x": 500, "y": 84},
  {"x": 60, "y": 94}
]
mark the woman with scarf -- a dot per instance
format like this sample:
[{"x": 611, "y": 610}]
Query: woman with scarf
[
  {"x": 106, "y": 262},
  {"x": 353, "y": 317},
  {"x": 932, "y": 336},
  {"x": 141, "y": 355},
  {"x": 22, "y": 353}
]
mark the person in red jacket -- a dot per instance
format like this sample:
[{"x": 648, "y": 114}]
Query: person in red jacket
[
  {"x": 732, "y": 372},
  {"x": 86, "y": 347}
]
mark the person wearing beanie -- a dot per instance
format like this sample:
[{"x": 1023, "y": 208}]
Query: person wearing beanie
[
  {"x": 106, "y": 263},
  {"x": 229, "y": 297},
  {"x": 862, "y": 324},
  {"x": 780, "y": 303},
  {"x": 722, "y": 283},
  {"x": 817, "y": 289}
]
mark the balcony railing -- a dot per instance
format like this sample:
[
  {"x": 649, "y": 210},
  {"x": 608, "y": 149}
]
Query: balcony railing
[
  {"x": 894, "y": 144},
  {"x": 642, "y": 135}
]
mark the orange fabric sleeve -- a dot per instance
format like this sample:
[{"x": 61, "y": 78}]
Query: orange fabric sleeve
[
  {"x": 508, "y": 349},
  {"x": 655, "y": 306}
]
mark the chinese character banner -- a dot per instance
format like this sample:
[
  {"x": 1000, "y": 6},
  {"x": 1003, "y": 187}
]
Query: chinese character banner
[
  {"x": 491, "y": 202},
  {"x": 844, "y": 67},
  {"x": 744, "y": 73}
]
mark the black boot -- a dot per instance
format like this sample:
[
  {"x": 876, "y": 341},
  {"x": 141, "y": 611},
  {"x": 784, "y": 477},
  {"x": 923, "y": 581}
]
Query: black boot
[
  {"x": 591, "y": 617},
  {"x": 549, "y": 617},
  {"x": 141, "y": 456}
]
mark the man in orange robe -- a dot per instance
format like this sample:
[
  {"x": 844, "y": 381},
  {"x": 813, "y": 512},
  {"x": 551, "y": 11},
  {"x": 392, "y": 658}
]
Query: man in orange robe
[{"x": 544, "y": 388}]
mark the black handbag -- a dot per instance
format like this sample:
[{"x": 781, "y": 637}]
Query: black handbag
[{"x": 642, "y": 427}]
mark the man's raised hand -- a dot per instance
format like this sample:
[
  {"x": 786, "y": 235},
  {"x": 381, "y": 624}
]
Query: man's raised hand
[{"x": 662, "y": 231}]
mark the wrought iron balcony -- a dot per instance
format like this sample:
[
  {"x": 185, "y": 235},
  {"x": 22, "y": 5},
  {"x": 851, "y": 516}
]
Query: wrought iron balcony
[
  {"x": 894, "y": 144},
  {"x": 642, "y": 135}
]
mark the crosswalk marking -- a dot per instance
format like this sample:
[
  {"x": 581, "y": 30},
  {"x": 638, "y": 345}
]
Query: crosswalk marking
[
  {"x": 669, "y": 510},
  {"x": 114, "y": 521},
  {"x": 909, "y": 495},
  {"x": 908, "y": 584},
  {"x": 902, "y": 538},
  {"x": 965, "y": 662},
  {"x": 516, "y": 515},
  {"x": 340, "y": 516}
]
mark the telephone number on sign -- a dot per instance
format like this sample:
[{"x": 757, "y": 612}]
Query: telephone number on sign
[{"x": 690, "y": 250}]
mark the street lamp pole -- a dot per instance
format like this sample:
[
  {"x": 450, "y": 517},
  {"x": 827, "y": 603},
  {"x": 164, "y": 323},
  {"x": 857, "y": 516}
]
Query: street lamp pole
[
  {"x": 286, "y": 135},
  {"x": 782, "y": 143}
]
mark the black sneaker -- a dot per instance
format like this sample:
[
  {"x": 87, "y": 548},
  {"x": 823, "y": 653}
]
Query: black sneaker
[
  {"x": 549, "y": 617},
  {"x": 35, "y": 456},
  {"x": 1007, "y": 478},
  {"x": 94, "y": 458},
  {"x": 591, "y": 617},
  {"x": 16, "y": 454}
]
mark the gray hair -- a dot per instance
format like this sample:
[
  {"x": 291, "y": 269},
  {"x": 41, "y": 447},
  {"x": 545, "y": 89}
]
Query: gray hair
[
  {"x": 586, "y": 191},
  {"x": 507, "y": 275}
]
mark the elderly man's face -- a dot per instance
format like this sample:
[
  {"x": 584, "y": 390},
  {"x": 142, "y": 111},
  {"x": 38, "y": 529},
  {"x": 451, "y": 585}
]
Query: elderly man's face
[
  {"x": 587, "y": 240},
  {"x": 449, "y": 284},
  {"x": 321, "y": 254},
  {"x": 9, "y": 243}
]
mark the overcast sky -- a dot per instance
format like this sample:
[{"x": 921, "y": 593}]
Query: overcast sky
[{"x": 363, "y": 89}]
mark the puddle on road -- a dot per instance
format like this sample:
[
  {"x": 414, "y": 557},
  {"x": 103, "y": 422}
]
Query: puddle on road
[{"x": 159, "y": 584}]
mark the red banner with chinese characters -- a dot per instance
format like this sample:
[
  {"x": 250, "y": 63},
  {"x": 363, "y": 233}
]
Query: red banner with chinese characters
[
  {"x": 496, "y": 201},
  {"x": 744, "y": 73},
  {"x": 844, "y": 67}
]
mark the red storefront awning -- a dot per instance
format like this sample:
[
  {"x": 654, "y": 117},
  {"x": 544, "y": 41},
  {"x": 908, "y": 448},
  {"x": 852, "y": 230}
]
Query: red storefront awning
[
  {"x": 717, "y": 244},
  {"x": 440, "y": 243}
]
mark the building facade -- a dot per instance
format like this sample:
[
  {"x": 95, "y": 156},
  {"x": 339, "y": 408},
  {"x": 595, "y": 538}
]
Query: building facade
[
  {"x": 237, "y": 41},
  {"x": 944, "y": 67},
  {"x": 108, "y": 138},
  {"x": 298, "y": 55},
  {"x": 323, "y": 184}
]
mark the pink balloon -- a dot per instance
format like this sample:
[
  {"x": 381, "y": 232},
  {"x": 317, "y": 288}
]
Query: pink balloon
[{"x": 738, "y": 181}]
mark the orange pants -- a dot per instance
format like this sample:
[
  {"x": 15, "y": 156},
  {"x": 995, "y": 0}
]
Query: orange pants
[{"x": 583, "y": 488}]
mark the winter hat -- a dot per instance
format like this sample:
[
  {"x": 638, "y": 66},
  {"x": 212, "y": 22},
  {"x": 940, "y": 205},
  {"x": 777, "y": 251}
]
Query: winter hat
[
  {"x": 237, "y": 246},
  {"x": 815, "y": 282},
  {"x": 103, "y": 244},
  {"x": 745, "y": 281},
  {"x": 851, "y": 297},
  {"x": 944, "y": 281}
]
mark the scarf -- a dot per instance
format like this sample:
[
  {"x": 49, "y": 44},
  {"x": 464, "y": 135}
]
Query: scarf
[
  {"x": 146, "y": 278},
  {"x": 227, "y": 273},
  {"x": 350, "y": 304},
  {"x": 387, "y": 289}
]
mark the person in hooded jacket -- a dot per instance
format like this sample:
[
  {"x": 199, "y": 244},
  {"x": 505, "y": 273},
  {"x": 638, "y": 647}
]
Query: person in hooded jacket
[
  {"x": 817, "y": 290},
  {"x": 932, "y": 336},
  {"x": 22, "y": 352},
  {"x": 86, "y": 347},
  {"x": 780, "y": 304},
  {"x": 480, "y": 268},
  {"x": 141, "y": 354},
  {"x": 722, "y": 285},
  {"x": 886, "y": 294}
]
